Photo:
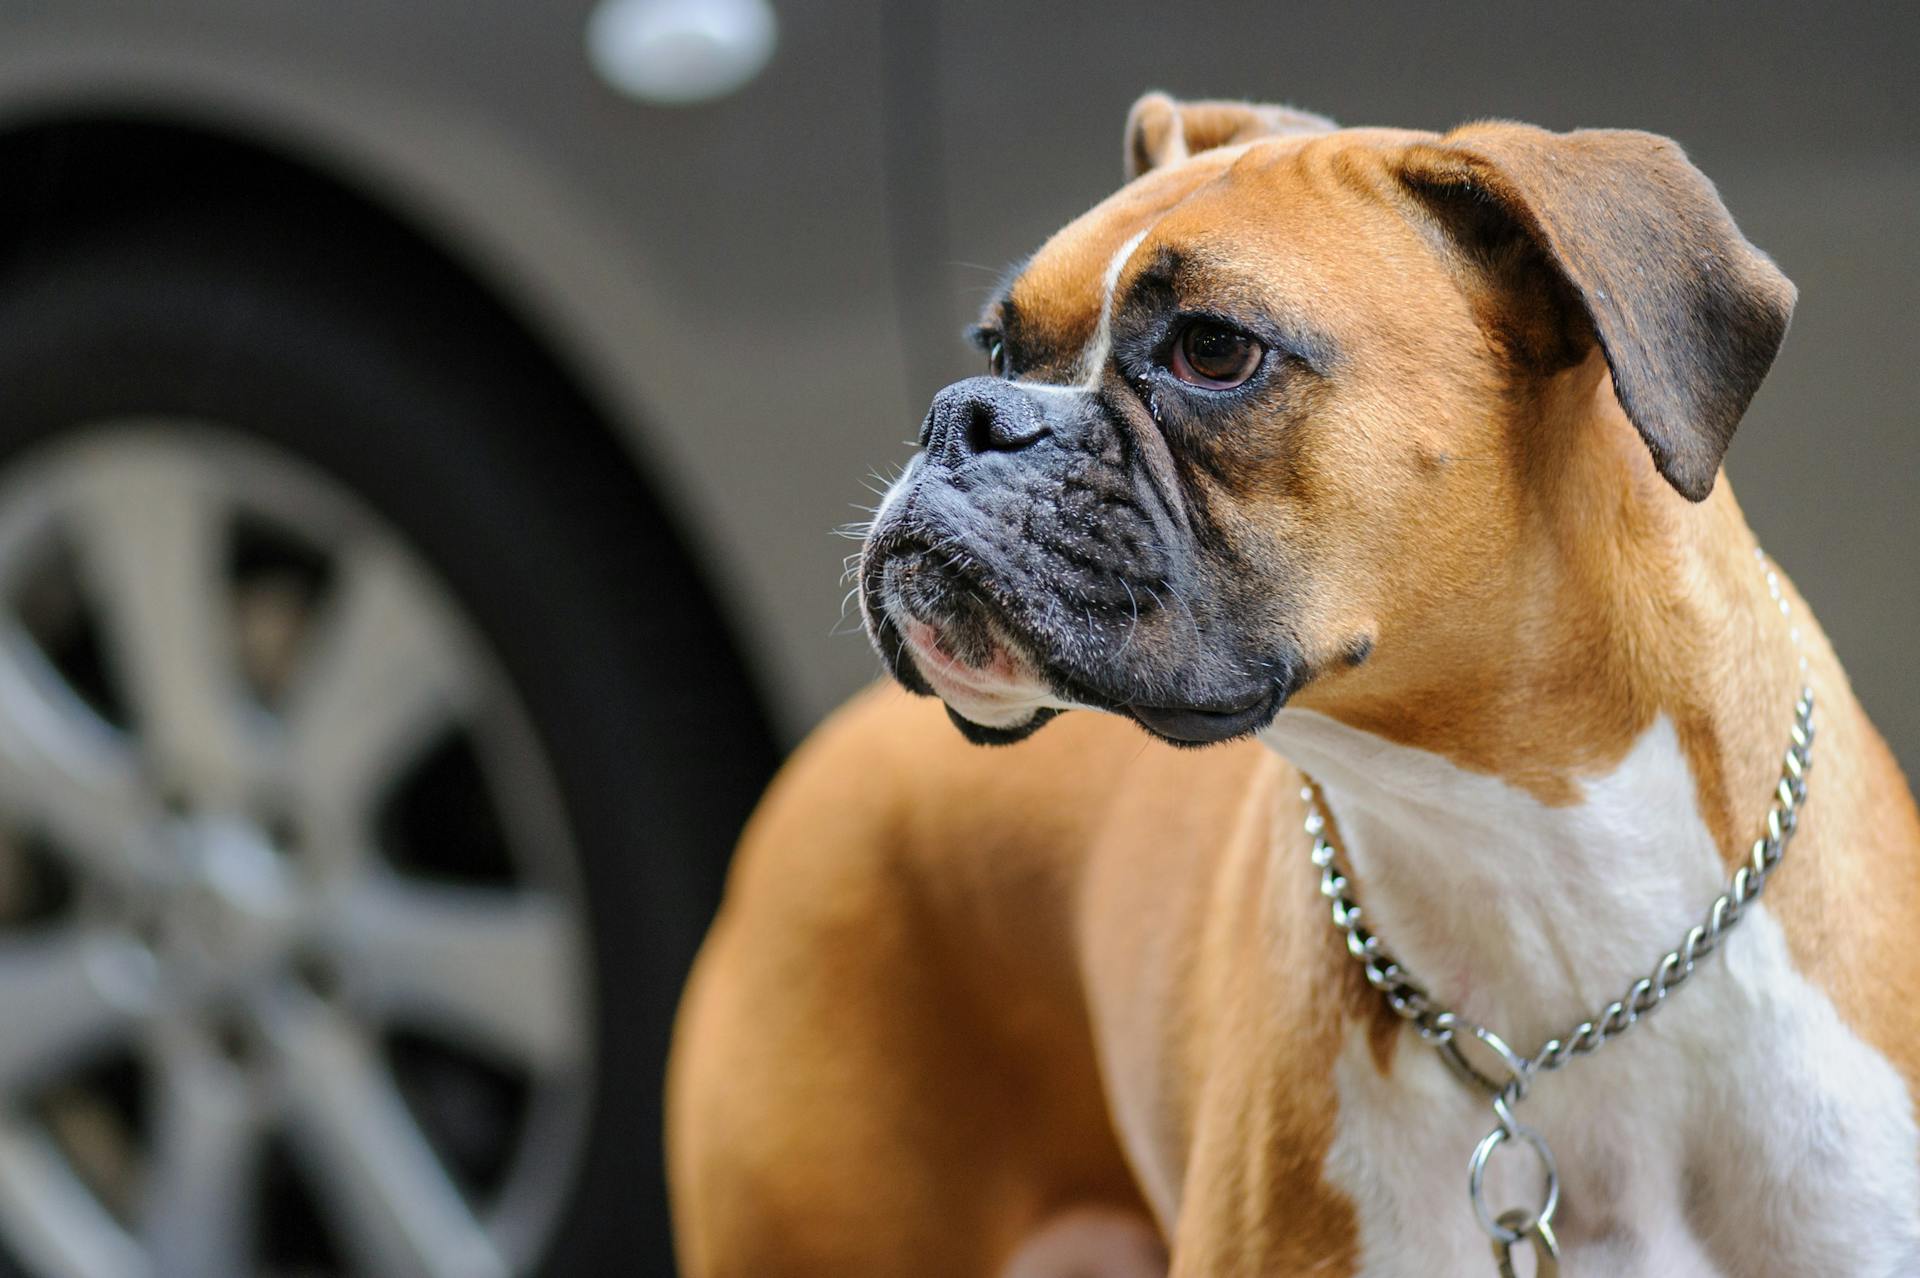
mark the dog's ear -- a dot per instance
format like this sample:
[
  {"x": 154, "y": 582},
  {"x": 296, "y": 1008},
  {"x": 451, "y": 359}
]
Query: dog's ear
[
  {"x": 1642, "y": 253},
  {"x": 1161, "y": 131}
]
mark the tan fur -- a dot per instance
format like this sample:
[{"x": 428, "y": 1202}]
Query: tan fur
[
  {"x": 941, "y": 970},
  {"x": 885, "y": 1065}
]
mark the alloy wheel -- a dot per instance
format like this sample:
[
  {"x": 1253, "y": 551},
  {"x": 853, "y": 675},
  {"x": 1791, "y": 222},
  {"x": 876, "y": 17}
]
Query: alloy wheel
[{"x": 293, "y": 972}]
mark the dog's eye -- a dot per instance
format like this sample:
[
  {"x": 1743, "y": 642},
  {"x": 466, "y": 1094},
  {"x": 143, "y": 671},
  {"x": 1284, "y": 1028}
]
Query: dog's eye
[
  {"x": 1214, "y": 356},
  {"x": 997, "y": 357}
]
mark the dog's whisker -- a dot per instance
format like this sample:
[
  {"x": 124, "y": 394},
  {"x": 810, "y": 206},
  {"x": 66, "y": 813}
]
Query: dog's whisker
[{"x": 1133, "y": 624}]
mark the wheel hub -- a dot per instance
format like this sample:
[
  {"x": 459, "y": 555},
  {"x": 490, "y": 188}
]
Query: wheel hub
[{"x": 233, "y": 919}]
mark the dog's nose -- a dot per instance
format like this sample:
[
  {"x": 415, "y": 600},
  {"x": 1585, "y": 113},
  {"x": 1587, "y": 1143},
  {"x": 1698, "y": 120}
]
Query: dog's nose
[{"x": 981, "y": 415}]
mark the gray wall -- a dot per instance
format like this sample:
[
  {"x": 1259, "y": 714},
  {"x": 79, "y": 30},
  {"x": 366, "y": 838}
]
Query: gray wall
[{"x": 1008, "y": 120}]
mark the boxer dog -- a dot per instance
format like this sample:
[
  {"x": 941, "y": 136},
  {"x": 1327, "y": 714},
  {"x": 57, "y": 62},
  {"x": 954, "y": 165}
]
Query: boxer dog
[{"x": 1387, "y": 461}]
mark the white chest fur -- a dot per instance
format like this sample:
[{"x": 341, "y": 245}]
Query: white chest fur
[{"x": 1742, "y": 1131}]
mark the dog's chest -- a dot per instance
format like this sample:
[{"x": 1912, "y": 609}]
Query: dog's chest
[
  {"x": 1743, "y": 1131},
  {"x": 1754, "y": 1136}
]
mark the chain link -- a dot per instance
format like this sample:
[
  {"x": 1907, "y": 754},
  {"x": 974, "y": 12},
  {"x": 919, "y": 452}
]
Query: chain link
[
  {"x": 1546, "y": 1248},
  {"x": 1439, "y": 1026}
]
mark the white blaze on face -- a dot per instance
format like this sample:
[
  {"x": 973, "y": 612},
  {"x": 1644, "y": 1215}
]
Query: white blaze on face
[
  {"x": 1093, "y": 360},
  {"x": 1743, "y": 1132}
]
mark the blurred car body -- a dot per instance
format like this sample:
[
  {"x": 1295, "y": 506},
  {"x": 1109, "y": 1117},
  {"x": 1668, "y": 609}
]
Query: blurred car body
[{"x": 684, "y": 334}]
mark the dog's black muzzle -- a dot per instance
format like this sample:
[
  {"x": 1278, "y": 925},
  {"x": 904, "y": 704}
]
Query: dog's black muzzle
[{"x": 1030, "y": 517}]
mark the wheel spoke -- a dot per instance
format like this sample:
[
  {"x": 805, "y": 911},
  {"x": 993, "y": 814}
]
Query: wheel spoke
[
  {"x": 388, "y": 673},
  {"x": 393, "y": 1202},
  {"x": 63, "y": 998},
  {"x": 497, "y": 966},
  {"x": 201, "y": 1202},
  {"x": 53, "y": 1219},
  {"x": 61, "y": 767},
  {"x": 150, "y": 533}
]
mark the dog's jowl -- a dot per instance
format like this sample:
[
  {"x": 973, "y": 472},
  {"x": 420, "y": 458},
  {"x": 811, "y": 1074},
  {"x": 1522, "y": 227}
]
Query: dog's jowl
[{"x": 1386, "y": 464}]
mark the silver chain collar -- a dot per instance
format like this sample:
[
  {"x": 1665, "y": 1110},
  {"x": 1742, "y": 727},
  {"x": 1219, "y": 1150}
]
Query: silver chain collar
[{"x": 1444, "y": 1030}]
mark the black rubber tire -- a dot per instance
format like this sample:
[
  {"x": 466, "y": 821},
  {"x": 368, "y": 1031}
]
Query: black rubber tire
[{"x": 417, "y": 395}]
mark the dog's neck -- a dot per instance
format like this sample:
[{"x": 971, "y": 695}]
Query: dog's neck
[
  {"x": 1520, "y": 915},
  {"x": 1527, "y": 888}
]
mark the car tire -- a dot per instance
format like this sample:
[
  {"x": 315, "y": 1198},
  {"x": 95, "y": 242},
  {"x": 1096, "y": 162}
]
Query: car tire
[{"x": 401, "y": 384}]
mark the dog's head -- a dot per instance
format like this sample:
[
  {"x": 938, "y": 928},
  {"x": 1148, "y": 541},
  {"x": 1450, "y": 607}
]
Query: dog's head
[{"x": 1292, "y": 406}]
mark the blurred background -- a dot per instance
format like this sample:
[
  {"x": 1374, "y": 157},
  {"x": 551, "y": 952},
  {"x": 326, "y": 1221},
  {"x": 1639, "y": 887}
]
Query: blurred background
[{"x": 422, "y": 428}]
